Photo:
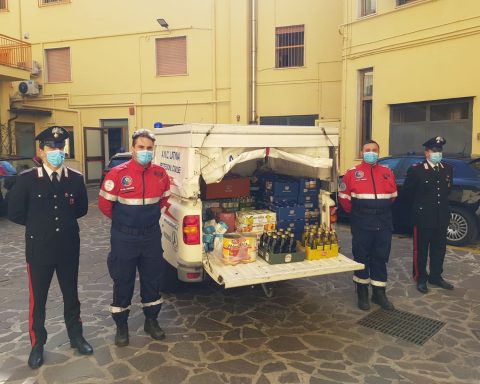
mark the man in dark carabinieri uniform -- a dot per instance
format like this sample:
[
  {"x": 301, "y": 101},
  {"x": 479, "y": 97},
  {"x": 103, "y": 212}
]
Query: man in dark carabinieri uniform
[
  {"x": 427, "y": 187},
  {"x": 48, "y": 200}
]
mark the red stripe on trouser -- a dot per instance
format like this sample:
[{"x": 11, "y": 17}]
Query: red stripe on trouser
[
  {"x": 30, "y": 308},
  {"x": 415, "y": 254}
]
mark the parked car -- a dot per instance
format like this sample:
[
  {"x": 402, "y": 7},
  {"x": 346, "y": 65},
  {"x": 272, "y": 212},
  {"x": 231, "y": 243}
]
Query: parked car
[
  {"x": 117, "y": 159},
  {"x": 464, "y": 197},
  {"x": 8, "y": 177}
]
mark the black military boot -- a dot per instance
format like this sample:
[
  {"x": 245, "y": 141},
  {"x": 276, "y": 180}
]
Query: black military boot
[
  {"x": 379, "y": 297},
  {"x": 362, "y": 295},
  {"x": 153, "y": 329},
  {"x": 121, "y": 337}
]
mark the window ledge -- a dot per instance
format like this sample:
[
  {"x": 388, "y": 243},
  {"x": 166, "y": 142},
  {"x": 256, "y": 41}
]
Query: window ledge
[{"x": 363, "y": 17}]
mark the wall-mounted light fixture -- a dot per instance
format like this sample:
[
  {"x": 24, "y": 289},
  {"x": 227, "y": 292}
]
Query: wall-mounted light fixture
[{"x": 162, "y": 23}]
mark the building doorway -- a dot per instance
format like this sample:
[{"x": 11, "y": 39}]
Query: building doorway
[{"x": 115, "y": 136}]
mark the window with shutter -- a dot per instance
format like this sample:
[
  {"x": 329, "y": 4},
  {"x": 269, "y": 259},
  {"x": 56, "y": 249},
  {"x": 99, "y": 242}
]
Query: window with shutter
[
  {"x": 289, "y": 46},
  {"x": 58, "y": 65},
  {"x": 171, "y": 55},
  {"x": 3, "y": 5}
]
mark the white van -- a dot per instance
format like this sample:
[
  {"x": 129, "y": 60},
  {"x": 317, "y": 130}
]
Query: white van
[{"x": 211, "y": 151}]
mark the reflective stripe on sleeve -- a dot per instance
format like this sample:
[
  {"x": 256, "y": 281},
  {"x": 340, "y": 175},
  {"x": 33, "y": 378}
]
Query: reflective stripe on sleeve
[
  {"x": 149, "y": 200},
  {"x": 151, "y": 304},
  {"x": 108, "y": 196},
  {"x": 344, "y": 196},
  {"x": 118, "y": 309},
  {"x": 372, "y": 195}
]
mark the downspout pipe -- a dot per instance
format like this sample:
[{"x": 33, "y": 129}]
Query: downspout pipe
[
  {"x": 253, "y": 74},
  {"x": 10, "y": 134}
]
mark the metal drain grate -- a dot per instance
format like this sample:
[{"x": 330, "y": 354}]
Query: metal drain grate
[{"x": 406, "y": 326}]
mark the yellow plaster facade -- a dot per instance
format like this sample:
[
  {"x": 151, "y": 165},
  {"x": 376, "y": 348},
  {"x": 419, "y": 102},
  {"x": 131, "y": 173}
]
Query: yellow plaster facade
[
  {"x": 113, "y": 62},
  {"x": 422, "y": 51},
  {"x": 415, "y": 57}
]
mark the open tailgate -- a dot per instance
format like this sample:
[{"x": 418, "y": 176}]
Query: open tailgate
[{"x": 261, "y": 272}]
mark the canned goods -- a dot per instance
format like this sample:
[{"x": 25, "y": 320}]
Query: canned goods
[{"x": 231, "y": 248}]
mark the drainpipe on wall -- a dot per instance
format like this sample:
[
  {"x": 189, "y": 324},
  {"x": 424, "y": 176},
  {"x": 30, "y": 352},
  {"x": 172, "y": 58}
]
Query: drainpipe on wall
[
  {"x": 10, "y": 135},
  {"x": 253, "y": 74}
]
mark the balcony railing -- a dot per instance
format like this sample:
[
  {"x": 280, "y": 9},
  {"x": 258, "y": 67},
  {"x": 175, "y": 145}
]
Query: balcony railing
[{"x": 15, "y": 53}]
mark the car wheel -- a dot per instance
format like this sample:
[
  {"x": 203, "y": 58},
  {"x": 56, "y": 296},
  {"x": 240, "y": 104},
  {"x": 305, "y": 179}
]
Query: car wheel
[{"x": 462, "y": 228}]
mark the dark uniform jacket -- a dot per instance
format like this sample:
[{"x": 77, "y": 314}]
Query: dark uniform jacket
[
  {"x": 427, "y": 191},
  {"x": 49, "y": 215}
]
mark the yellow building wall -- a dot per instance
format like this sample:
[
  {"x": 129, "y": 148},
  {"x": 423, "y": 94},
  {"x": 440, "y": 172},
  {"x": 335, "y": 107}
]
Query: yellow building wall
[
  {"x": 415, "y": 57},
  {"x": 314, "y": 88},
  {"x": 113, "y": 61}
]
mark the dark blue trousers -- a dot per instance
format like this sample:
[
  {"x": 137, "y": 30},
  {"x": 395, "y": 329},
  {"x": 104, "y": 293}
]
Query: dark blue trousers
[
  {"x": 128, "y": 254},
  {"x": 371, "y": 248}
]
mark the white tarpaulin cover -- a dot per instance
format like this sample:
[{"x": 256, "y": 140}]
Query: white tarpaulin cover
[{"x": 185, "y": 165}]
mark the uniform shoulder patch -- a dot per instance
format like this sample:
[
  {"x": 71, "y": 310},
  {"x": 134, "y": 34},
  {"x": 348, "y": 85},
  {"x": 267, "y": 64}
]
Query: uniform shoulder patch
[
  {"x": 27, "y": 171},
  {"x": 108, "y": 185},
  {"x": 75, "y": 171}
]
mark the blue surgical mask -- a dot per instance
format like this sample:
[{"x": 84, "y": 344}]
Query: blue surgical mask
[
  {"x": 370, "y": 157},
  {"x": 56, "y": 157},
  {"x": 436, "y": 157},
  {"x": 144, "y": 157}
]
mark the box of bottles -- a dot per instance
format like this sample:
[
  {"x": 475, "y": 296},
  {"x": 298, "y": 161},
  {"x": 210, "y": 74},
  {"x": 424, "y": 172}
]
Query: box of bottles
[
  {"x": 296, "y": 226},
  {"x": 319, "y": 242},
  {"x": 308, "y": 184},
  {"x": 307, "y": 199},
  {"x": 287, "y": 188},
  {"x": 280, "y": 199},
  {"x": 288, "y": 212},
  {"x": 279, "y": 248},
  {"x": 281, "y": 258},
  {"x": 321, "y": 252}
]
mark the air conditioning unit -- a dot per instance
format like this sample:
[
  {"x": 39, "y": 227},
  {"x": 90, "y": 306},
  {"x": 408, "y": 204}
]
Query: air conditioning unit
[
  {"x": 36, "y": 69},
  {"x": 29, "y": 88}
]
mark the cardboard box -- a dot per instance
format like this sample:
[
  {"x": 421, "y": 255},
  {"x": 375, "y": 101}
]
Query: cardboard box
[
  {"x": 282, "y": 188},
  {"x": 320, "y": 253},
  {"x": 296, "y": 226},
  {"x": 255, "y": 220},
  {"x": 227, "y": 188},
  {"x": 308, "y": 198},
  {"x": 281, "y": 258},
  {"x": 288, "y": 213}
]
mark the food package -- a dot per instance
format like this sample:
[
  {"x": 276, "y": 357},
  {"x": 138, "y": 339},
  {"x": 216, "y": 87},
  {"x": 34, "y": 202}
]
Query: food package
[{"x": 255, "y": 221}]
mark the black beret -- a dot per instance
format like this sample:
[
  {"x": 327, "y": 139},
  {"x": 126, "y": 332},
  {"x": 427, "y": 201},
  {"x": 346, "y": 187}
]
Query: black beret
[
  {"x": 53, "y": 136},
  {"x": 435, "y": 143}
]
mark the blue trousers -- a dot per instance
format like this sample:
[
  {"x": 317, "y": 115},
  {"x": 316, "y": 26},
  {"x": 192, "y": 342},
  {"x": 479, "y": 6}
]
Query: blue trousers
[
  {"x": 371, "y": 248},
  {"x": 129, "y": 254}
]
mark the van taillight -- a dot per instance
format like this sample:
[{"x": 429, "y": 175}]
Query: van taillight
[{"x": 191, "y": 229}]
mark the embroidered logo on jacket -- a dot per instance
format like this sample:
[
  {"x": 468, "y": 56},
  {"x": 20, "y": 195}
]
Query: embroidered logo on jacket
[
  {"x": 359, "y": 174},
  {"x": 127, "y": 181}
]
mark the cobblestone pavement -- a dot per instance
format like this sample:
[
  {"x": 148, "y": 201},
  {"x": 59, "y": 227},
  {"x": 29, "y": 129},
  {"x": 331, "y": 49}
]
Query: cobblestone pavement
[{"x": 306, "y": 333}]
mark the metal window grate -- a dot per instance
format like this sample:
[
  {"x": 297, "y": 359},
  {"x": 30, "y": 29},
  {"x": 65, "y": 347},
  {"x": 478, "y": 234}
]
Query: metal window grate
[{"x": 406, "y": 326}]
